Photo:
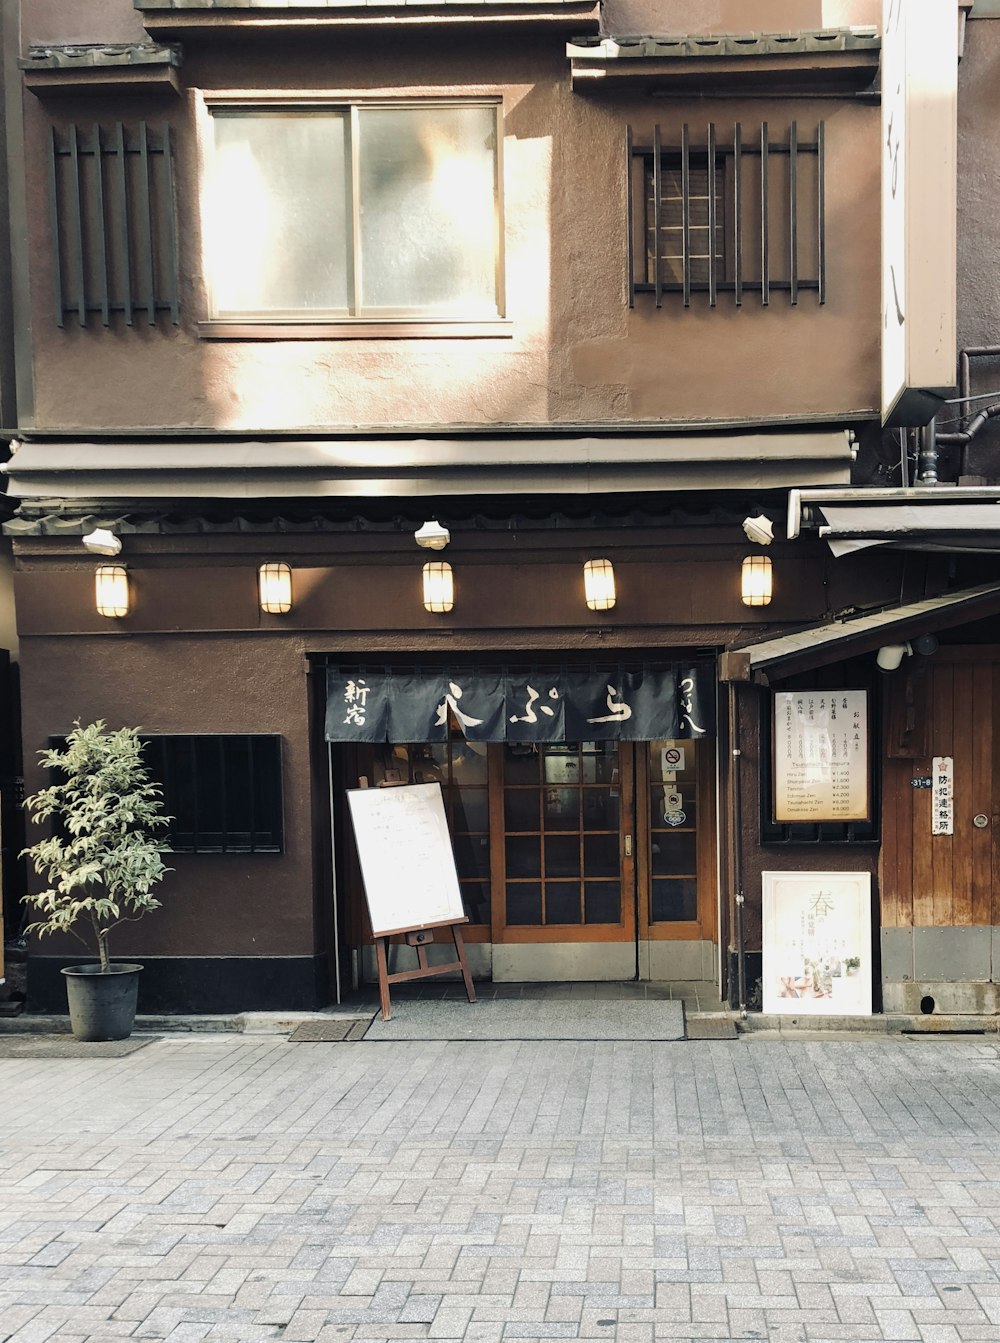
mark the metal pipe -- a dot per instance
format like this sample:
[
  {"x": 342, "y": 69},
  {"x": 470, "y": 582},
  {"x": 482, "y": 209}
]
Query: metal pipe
[
  {"x": 927, "y": 459},
  {"x": 735, "y": 784}
]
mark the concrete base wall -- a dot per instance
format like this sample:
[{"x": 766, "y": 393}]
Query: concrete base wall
[{"x": 941, "y": 970}]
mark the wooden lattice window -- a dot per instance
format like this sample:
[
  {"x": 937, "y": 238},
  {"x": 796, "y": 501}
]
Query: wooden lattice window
[
  {"x": 114, "y": 248},
  {"x": 741, "y": 214}
]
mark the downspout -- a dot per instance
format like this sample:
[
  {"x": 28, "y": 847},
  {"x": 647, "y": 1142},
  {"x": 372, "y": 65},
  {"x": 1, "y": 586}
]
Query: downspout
[{"x": 736, "y": 799}]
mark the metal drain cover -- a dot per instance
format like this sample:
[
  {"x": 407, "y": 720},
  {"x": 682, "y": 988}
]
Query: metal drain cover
[
  {"x": 329, "y": 1032},
  {"x": 710, "y": 1028}
]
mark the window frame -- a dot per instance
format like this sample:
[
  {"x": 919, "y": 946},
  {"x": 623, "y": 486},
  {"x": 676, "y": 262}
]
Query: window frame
[
  {"x": 756, "y": 195},
  {"x": 227, "y": 846},
  {"x": 313, "y": 325}
]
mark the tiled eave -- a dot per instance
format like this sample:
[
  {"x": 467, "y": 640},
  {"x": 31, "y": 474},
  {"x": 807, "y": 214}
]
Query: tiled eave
[
  {"x": 828, "y": 60},
  {"x": 104, "y": 68},
  {"x": 187, "y": 18}
]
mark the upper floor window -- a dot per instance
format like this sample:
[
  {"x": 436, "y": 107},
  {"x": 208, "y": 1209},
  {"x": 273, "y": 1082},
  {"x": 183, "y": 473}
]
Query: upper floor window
[
  {"x": 740, "y": 213},
  {"x": 371, "y": 212}
]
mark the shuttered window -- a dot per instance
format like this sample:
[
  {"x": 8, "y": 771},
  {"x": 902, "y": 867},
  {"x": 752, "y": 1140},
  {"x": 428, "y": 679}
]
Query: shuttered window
[{"x": 114, "y": 250}]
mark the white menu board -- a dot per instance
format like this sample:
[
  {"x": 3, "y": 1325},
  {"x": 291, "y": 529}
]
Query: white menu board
[
  {"x": 407, "y": 862},
  {"x": 821, "y": 756}
]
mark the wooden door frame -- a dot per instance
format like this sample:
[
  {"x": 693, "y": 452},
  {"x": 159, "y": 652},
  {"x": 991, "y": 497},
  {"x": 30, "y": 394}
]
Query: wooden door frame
[
  {"x": 625, "y": 931},
  {"x": 704, "y": 927}
]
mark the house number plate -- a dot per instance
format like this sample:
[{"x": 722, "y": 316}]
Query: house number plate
[{"x": 922, "y": 781}]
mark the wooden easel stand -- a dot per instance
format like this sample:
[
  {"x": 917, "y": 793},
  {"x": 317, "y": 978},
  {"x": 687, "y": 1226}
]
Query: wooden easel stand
[{"x": 419, "y": 938}]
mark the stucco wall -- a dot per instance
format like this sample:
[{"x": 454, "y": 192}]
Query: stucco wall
[
  {"x": 576, "y": 352},
  {"x": 213, "y": 905}
]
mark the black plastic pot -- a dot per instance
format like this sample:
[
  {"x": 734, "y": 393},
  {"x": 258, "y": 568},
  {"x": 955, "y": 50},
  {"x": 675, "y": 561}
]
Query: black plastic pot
[{"x": 102, "y": 1002}]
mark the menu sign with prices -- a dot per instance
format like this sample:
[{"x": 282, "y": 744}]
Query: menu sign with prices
[{"x": 821, "y": 757}]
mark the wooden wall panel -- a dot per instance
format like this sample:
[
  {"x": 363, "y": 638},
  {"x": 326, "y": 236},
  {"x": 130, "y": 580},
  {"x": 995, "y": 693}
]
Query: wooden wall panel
[
  {"x": 982, "y": 723},
  {"x": 940, "y": 847}
]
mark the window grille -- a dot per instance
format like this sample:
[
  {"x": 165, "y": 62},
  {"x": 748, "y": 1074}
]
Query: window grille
[
  {"x": 223, "y": 791},
  {"x": 739, "y": 215},
  {"x": 114, "y": 244}
]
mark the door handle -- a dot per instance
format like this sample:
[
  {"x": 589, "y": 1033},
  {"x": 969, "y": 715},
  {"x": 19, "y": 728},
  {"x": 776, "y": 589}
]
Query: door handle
[{"x": 628, "y": 846}]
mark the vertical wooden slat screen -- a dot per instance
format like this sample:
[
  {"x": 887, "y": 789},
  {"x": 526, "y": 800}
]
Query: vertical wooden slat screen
[
  {"x": 793, "y": 218},
  {"x": 114, "y": 240},
  {"x": 765, "y": 250},
  {"x": 57, "y": 277},
  {"x": 76, "y": 226},
  {"x": 126, "y": 230},
  {"x": 146, "y": 225},
  {"x": 686, "y": 213},
  {"x": 630, "y": 216},
  {"x": 657, "y": 213},
  {"x": 738, "y": 212},
  {"x": 172, "y": 296},
  {"x": 712, "y": 217},
  {"x": 102, "y": 238},
  {"x": 821, "y": 208}
]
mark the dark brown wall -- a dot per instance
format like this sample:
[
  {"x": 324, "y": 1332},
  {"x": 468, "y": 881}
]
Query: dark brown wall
[
  {"x": 507, "y": 584},
  {"x": 213, "y": 905}
]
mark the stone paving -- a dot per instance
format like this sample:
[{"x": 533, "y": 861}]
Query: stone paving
[{"x": 240, "y": 1188}]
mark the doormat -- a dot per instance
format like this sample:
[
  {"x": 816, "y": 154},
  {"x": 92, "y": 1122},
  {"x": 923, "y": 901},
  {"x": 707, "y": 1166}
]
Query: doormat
[
  {"x": 710, "y": 1028},
  {"x": 347, "y": 1029},
  {"x": 531, "y": 1019},
  {"x": 66, "y": 1047}
]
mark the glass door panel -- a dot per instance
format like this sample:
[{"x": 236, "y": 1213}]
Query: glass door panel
[
  {"x": 677, "y": 859},
  {"x": 564, "y": 863}
]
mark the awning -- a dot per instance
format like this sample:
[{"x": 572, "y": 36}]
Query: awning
[
  {"x": 368, "y": 467},
  {"x": 817, "y": 646},
  {"x": 923, "y": 518}
]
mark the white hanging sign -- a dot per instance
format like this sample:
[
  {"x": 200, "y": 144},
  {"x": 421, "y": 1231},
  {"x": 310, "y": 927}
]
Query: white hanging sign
[{"x": 943, "y": 795}]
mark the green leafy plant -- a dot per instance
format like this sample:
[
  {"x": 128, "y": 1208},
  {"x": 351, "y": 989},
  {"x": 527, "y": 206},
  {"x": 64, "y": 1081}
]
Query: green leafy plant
[{"x": 104, "y": 859}]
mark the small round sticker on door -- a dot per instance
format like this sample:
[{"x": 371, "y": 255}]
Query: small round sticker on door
[{"x": 674, "y": 817}]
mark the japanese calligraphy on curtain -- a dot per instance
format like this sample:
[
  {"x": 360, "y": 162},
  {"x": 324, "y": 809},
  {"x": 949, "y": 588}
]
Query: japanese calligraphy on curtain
[{"x": 609, "y": 704}]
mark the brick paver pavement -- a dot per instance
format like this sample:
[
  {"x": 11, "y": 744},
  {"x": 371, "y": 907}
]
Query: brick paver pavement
[{"x": 245, "y": 1188}]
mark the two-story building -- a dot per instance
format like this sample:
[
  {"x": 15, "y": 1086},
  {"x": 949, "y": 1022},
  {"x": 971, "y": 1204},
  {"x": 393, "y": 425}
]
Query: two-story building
[{"x": 430, "y": 364}]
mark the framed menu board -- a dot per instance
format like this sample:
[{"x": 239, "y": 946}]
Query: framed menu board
[
  {"x": 821, "y": 756},
  {"x": 407, "y": 862}
]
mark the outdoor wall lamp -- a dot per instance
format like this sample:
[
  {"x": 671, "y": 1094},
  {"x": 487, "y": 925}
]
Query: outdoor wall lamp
[
  {"x": 439, "y": 586},
  {"x": 275, "y": 588},
  {"x": 111, "y": 590},
  {"x": 599, "y": 584},
  {"x": 432, "y": 536},
  {"x": 756, "y": 585}
]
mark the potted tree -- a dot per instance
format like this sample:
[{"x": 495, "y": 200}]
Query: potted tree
[{"x": 101, "y": 864}]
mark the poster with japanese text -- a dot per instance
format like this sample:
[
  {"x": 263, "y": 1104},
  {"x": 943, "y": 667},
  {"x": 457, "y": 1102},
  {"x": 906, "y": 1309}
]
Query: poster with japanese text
[
  {"x": 817, "y": 943},
  {"x": 821, "y": 759}
]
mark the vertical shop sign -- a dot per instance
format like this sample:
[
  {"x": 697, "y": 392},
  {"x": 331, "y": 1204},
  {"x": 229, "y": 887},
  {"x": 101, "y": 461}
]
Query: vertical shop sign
[{"x": 942, "y": 795}]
